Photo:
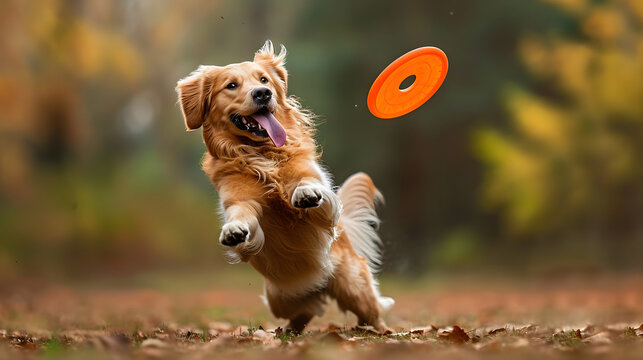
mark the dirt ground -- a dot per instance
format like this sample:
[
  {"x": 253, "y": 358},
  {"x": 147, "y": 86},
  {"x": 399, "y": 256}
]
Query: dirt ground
[{"x": 589, "y": 318}]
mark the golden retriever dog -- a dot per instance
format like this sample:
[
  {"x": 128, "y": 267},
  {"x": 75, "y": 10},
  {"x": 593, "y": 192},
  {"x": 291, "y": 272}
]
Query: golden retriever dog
[{"x": 279, "y": 209}]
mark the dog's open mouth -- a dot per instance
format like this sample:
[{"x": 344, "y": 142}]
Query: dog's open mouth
[{"x": 261, "y": 124}]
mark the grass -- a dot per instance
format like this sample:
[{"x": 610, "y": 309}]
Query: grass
[
  {"x": 155, "y": 319},
  {"x": 568, "y": 338}
]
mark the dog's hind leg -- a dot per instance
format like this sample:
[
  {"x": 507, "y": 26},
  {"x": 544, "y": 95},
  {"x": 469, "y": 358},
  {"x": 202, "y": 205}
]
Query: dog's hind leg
[
  {"x": 298, "y": 324},
  {"x": 353, "y": 286},
  {"x": 356, "y": 253},
  {"x": 298, "y": 309}
]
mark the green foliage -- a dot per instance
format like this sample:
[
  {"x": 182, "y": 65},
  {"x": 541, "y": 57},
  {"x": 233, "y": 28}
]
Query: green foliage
[
  {"x": 52, "y": 347},
  {"x": 460, "y": 249},
  {"x": 567, "y": 338},
  {"x": 568, "y": 162}
]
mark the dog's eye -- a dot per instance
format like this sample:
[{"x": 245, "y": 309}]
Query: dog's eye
[
  {"x": 232, "y": 85},
  {"x": 263, "y": 79}
]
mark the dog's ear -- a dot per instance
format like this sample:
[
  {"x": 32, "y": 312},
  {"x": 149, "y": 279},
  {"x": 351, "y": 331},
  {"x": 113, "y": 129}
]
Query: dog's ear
[
  {"x": 195, "y": 96},
  {"x": 266, "y": 56}
]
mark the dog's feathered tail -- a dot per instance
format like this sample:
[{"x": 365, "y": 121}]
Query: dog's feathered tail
[
  {"x": 359, "y": 220},
  {"x": 359, "y": 197}
]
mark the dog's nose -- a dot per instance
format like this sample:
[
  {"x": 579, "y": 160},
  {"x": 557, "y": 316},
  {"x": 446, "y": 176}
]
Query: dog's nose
[{"x": 261, "y": 95}]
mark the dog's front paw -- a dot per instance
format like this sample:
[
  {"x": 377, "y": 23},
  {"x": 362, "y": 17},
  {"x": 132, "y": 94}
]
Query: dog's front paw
[
  {"x": 233, "y": 233},
  {"x": 307, "y": 196}
]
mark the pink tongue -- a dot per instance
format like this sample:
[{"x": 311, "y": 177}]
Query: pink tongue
[{"x": 275, "y": 130}]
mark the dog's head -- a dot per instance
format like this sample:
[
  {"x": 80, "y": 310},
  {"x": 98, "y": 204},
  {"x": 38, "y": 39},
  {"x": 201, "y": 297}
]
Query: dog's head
[{"x": 245, "y": 99}]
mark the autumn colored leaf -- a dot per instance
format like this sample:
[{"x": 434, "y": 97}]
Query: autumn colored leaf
[
  {"x": 454, "y": 334},
  {"x": 497, "y": 331},
  {"x": 424, "y": 330}
]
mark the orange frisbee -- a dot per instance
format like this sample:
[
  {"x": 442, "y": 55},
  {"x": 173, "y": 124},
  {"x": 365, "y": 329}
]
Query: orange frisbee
[{"x": 429, "y": 65}]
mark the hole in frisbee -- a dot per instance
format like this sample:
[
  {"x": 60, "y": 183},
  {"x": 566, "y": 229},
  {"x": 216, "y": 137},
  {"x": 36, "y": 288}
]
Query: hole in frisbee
[{"x": 407, "y": 83}]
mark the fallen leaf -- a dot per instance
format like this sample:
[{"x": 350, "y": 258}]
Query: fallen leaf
[
  {"x": 497, "y": 331},
  {"x": 454, "y": 334},
  {"x": 424, "y": 330},
  {"x": 279, "y": 331}
]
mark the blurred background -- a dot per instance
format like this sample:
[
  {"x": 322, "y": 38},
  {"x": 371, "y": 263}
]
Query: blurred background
[{"x": 527, "y": 161}]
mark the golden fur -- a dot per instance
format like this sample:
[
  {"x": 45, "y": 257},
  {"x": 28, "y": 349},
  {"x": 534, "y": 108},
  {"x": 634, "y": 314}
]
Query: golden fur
[{"x": 304, "y": 254}]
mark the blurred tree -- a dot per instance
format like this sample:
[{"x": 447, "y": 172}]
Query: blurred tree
[
  {"x": 54, "y": 50},
  {"x": 80, "y": 84},
  {"x": 98, "y": 174},
  {"x": 570, "y": 166},
  {"x": 420, "y": 161}
]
